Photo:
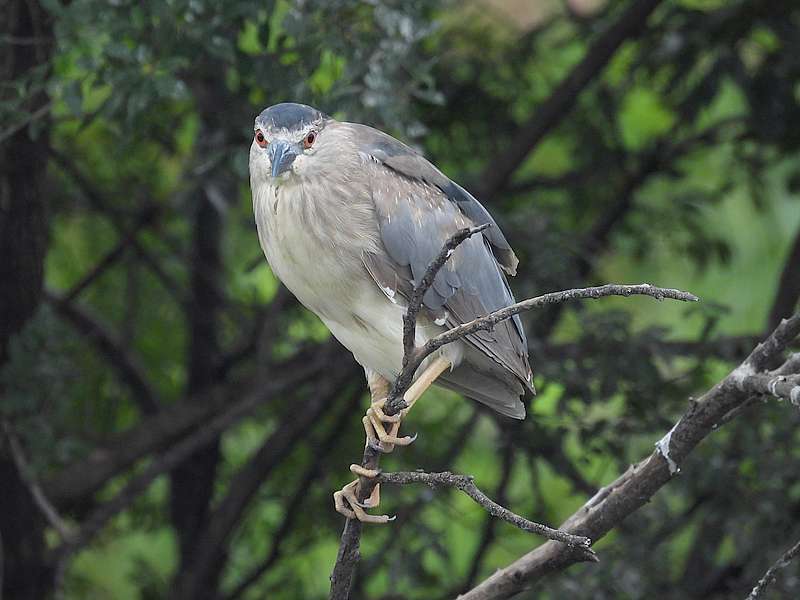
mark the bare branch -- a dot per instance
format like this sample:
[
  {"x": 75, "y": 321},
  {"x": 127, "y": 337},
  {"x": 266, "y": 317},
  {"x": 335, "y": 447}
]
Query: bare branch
[
  {"x": 772, "y": 572},
  {"x": 610, "y": 289},
  {"x": 348, "y": 555},
  {"x": 637, "y": 485},
  {"x": 467, "y": 485},
  {"x": 786, "y": 387},
  {"x": 489, "y": 321}
]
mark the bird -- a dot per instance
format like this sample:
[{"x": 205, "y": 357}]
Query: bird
[{"x": 349, "y": 218}]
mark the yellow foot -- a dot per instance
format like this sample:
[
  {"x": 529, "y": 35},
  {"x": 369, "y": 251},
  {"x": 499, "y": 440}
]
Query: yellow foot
[
  {"x": 347, "y": 504},
  {"x": 375, "y": 427}
]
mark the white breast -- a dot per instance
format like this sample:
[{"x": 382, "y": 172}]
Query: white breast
[
  {"x": 313, "y": 270},
  {"x": 318, "y": 258}
]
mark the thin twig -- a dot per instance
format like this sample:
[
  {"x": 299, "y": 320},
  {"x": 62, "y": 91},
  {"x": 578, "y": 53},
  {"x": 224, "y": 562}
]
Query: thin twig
[
  {"x": 489, "y": 321},
  {"x": 772, "y": 572},
  {"x": 467, "y": 485},
  {"x": 26, "y": 474}
]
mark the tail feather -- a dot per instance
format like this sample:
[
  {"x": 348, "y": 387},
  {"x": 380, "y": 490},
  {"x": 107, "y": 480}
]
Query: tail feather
[{"x": 482, "y": 379}]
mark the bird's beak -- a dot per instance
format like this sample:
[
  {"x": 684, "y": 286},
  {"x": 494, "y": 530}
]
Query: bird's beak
[{"x": 281, "y": 155}]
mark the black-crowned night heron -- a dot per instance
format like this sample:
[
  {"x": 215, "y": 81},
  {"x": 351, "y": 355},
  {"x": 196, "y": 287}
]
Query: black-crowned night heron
[{"x": 349, "y": 219}]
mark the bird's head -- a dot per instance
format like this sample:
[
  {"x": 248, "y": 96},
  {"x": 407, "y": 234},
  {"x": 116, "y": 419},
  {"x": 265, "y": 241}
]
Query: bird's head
[{"x": 286, "y": 139}]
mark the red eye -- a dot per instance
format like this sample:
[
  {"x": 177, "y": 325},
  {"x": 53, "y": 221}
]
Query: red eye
[
  {"x": 261, "y": 140},
  {"x": 312, "y": 135}
]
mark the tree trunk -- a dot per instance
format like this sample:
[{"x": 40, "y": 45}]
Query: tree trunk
[{"x": 23, "y": 241}]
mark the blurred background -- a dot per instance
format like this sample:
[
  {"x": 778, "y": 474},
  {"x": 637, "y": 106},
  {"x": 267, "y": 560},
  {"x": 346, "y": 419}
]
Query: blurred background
[{"x": 185, "y": 421}]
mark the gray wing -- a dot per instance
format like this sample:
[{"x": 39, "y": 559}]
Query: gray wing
[{"x": 418, "y": 209}]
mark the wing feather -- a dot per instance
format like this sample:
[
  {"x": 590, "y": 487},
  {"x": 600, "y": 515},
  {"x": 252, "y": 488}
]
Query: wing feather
[{"x": 418, "y": 209}]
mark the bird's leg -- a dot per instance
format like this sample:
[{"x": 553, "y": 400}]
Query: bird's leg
[
  {"x": 346, "y": 500},
  {"x": 377, "y": 417},
  {"x": 375, "y": 420},
  {"x": 424, "y": 381}
]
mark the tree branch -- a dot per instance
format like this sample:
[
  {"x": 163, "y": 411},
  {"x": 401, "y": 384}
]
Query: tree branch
[
  {"x": 488, "y": 322},
  {"x": 348, "y": 556},
  {"x": 143, "y": 220},
  {"x": 772, "y": 572},
  {"x": 637, "y": 485},
  {"x": 173, "y": 457},
  {"x": 467, "y": 485}
]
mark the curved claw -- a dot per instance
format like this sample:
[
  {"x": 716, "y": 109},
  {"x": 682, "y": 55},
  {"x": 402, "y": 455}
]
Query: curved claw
[
  {"x": 347, "y": 504},
  {"x": 389, "y": 438}
]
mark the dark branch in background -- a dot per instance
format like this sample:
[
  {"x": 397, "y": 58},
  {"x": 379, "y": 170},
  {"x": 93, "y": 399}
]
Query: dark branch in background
[
  {"x": 564, "y": 96},
  {"x": 772, "y": 572},
  {"x": 121, "y": 358},
  {"x": 83, "y": 477},
  {"x": 102, "y": 205},
  {"x": 211, "y": 543},
  {"x": 636, "y": 486},
  {"x": 295, "y": 504},
  {"x": 788, "y": 292},
  {"x": 144, "y": 219},
  {"x": 280, "y": 442},
  {"x": 39, "y": 497},
  {"x": 348, "y": 556},
  {"x": 467, "y": 485}
]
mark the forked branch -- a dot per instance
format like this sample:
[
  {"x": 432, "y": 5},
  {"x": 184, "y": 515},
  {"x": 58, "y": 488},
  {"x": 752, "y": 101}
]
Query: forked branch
[{"x": 467, "y": 485}]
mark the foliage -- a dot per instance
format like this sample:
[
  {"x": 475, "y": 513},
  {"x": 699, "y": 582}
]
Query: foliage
[{"x": 679, "y": 166}]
